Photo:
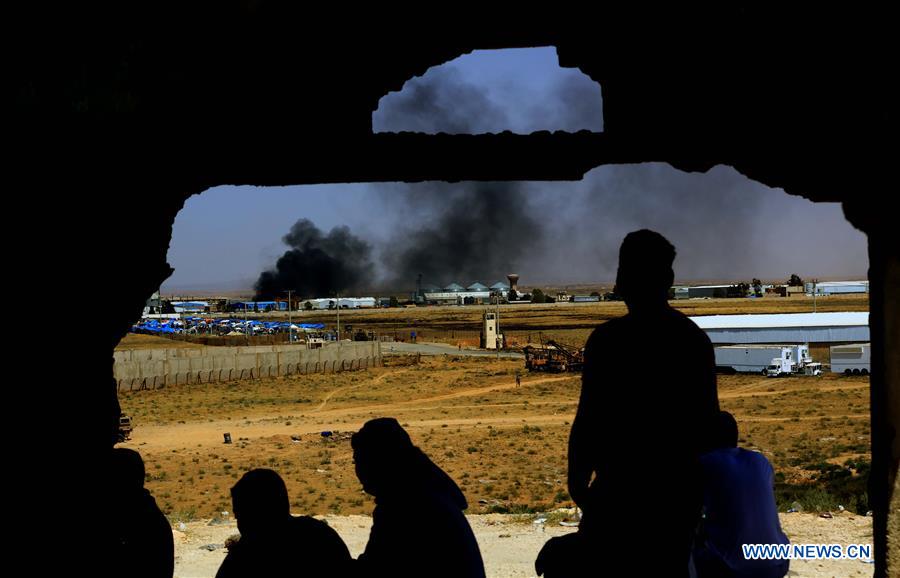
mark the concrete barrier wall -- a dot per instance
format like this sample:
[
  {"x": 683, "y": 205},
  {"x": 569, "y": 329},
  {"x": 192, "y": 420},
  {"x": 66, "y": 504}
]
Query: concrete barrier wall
[{"x": 138, "y": 369}]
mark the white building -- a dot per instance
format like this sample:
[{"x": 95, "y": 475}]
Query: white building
[
  {"x": 838, "y": 287},
  {"x": 457, "y": 297},
  {"x": 842, "y": 327},
  {"x": 345, "y": 303}
]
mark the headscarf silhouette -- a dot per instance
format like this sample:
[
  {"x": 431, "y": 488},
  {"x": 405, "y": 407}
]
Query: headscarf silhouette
[
  {"x": 387, "y": 463},
  {"x": 411, "y": 489}
]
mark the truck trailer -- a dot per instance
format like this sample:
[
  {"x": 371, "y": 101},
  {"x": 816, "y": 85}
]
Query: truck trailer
[
  {"x": 768, "y": 360},
  {"x": 851, "y": 359}
]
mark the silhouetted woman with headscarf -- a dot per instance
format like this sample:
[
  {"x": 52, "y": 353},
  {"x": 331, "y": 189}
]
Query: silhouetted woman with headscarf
[{"x": 418, "y": 526}]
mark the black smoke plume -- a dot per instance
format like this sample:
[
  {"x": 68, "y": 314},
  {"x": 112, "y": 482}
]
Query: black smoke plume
[
  {"x": 439, "y": 101},
  {"x": 318, "y": 265},
  {"x": 466, "y": 232},
  {"x": 469, "y": 232}
]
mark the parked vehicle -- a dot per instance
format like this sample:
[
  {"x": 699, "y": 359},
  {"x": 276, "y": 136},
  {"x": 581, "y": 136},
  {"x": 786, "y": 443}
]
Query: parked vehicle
[
  {"x": 553, "y": 357},
  {"x": 768, "y": 360},
  {"x": 851, "y": 359},
  {"x": 125, "y": 428}
]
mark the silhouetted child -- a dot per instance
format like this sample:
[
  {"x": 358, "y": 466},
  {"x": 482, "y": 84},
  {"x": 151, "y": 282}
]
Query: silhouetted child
[
  {"x": 275, "y": 543},
  {"x": 418, "y": 526},
  {"x": 648, "y": 401},
  {"x": 739, "y": 508},
  {"x": 144, "y": 546}
]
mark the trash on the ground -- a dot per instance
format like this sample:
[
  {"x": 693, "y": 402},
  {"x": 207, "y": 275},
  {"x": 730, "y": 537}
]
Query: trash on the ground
[
  {"x": 840, "y": 508},
  {"x": 869, "y": 513},
  {"x": 182, "y": 526},
  {"x": 569, "y": 523},
  {"x": 227, "y": 437},
  {"x": 211, "y": 547},
  {"x": 826, "y": 515},
  {"x": 295, "y": 438},
  {"x": 326, "y": 434}
]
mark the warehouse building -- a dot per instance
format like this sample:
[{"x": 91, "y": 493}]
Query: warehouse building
[
  {"x": 345, "y": 303},
  {"x": 705, "y": 292},
  {"x": 841, "y": 327},
  {"x": 190, "y": 306},
  {"x": 458, "y": 297},
  {"x": 837, "y": 287}
]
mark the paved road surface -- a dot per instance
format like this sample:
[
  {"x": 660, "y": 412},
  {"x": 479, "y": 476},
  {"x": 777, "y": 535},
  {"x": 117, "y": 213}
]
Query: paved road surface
[{"x": 398, "y": 348}]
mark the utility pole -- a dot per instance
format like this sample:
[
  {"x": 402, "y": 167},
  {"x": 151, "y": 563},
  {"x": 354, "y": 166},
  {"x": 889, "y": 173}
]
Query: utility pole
[
  {"x": 815, "y": 290},
  {"x": 497, "y": 326},
  {"x": 338, "y": 303},
  {"x": 290, "y": 325}
]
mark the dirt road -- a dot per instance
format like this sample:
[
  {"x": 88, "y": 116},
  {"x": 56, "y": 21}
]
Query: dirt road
[{"x": 210, "y": 433}]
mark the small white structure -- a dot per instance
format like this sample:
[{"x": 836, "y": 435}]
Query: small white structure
[
  {"x": 851, "y": 359},
  {"x": 490, "y": 335}
]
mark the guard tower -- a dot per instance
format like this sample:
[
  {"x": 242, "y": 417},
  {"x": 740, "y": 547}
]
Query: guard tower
[{"x": 490, "y": 326}]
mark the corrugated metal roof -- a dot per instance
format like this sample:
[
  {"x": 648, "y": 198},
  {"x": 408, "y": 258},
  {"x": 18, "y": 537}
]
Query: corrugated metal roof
[{"x": 838, "y": 319}]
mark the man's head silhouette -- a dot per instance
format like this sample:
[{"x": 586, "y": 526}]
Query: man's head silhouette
[
  {"x": 645, "y": 269},
  {"x": 726, "y": 431},
  {"x": 260, "y": 501},
  {"x": 128, "y": 468}
]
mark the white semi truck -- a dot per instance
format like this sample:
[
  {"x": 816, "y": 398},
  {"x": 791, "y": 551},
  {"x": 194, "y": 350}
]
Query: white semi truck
[
  {"x": 768, "y": 360},
  {"x": 851, "y": 359}
]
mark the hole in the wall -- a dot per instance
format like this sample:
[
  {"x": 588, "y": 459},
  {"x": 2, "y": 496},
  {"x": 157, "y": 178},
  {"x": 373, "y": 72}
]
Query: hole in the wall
[
  {"x": 556, "y": 235},
  {"x": 489, "y": 91}
]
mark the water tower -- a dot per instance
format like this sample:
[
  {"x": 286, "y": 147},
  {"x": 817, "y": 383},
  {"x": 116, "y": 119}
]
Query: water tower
[{"x": 513, "y": 282}]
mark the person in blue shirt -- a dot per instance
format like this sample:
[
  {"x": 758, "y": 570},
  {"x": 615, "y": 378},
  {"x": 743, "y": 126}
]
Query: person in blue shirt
[{"x": 739, "y": 508}]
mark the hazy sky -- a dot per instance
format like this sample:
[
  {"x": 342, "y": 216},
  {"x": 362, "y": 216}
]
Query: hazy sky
[{"x": 723, "y": 225}]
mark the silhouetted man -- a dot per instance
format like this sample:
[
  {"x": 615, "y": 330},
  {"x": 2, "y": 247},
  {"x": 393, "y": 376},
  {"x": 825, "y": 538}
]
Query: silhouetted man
[
  {"x": 739, "y": 508},
  {"x": 144, "y": 545},
  {"x": 274, "y": 543},
  {"x": 648, "y": 400},
  {"x": 418, "y": 526}
]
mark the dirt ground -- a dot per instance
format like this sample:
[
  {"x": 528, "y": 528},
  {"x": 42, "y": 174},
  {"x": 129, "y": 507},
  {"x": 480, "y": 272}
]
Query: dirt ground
[
  {"x": 505, "y": 445},
  {"x": 509, "y": 544}
]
